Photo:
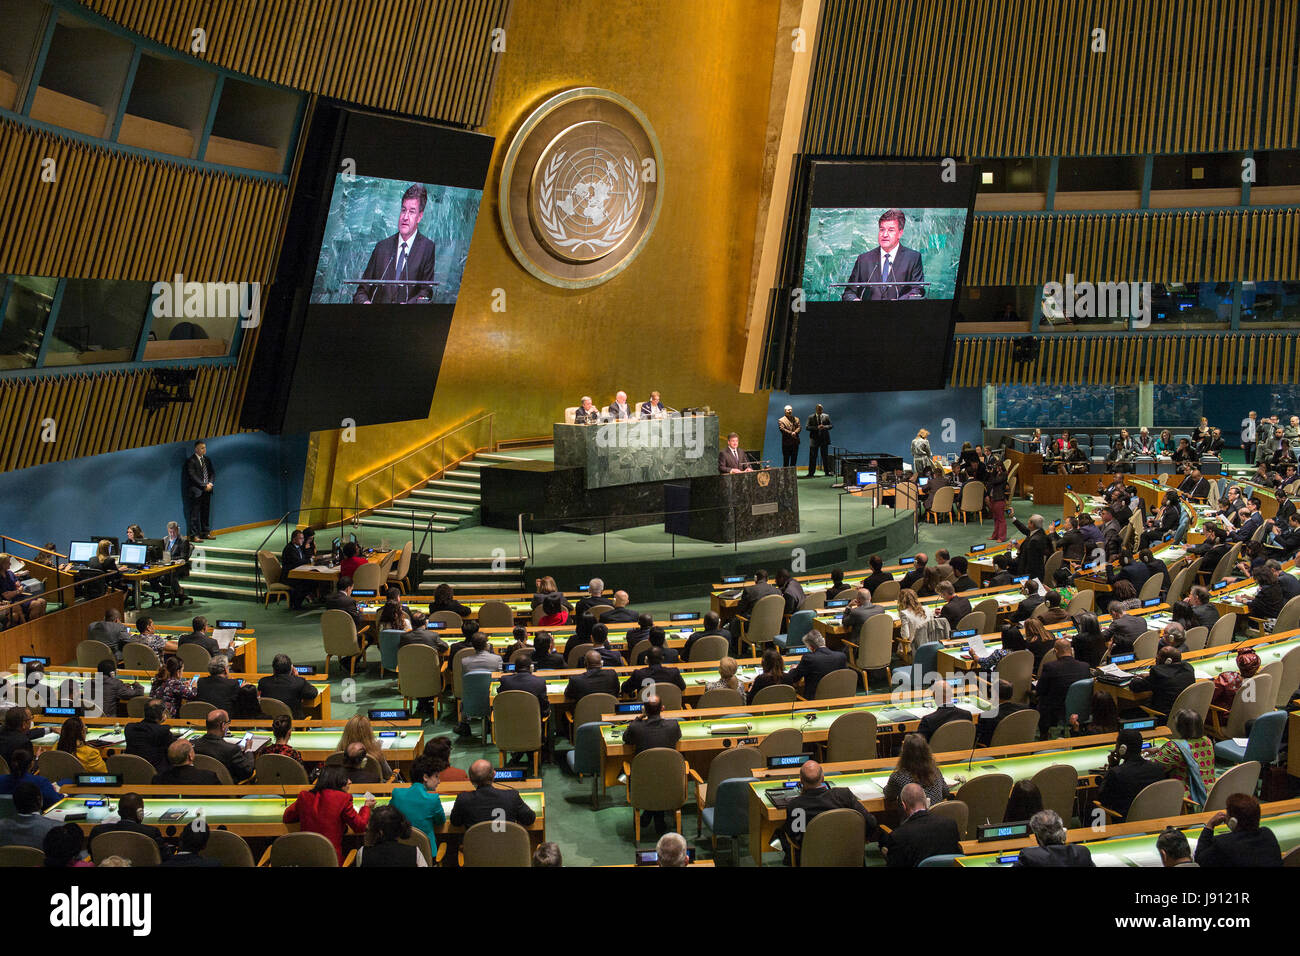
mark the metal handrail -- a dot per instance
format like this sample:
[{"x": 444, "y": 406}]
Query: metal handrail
[
  {"x": 391, "y": 467},
  {"x": 4, "y": 546}
]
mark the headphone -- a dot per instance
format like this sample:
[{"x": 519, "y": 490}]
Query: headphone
[{"x": 1232, "y": 823}]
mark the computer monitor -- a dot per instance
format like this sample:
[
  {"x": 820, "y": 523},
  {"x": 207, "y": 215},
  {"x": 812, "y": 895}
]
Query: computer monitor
[
  {"x": 866, "y": 478},
  {"x": 80, "y": 552},
  {"x": 134, "y": 555}
]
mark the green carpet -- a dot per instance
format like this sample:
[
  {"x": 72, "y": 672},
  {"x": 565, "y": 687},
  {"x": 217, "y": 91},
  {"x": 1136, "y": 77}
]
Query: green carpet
[{"x": 585, "y": 836}]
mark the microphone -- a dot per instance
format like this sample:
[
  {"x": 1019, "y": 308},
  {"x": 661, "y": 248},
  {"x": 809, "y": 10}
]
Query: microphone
[
  {"x": 971, "y": 761},
  {"x": 383, "y": 273}
]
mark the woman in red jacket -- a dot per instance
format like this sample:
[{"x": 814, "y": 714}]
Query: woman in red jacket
[{"x": 327, "y": 809}]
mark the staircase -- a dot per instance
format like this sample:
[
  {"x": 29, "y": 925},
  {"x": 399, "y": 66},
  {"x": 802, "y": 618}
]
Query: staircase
[
  {"x": 451, "y": 500},
  {"x": 475, "y": 575},
  {"x": 229, "y": 573}
]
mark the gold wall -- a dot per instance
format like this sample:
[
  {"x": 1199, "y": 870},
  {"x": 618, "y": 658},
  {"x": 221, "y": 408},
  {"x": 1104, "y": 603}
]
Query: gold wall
[{"x": 673, "y": 320}]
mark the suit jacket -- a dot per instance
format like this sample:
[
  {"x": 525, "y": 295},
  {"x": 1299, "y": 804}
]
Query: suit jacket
[
  {"x": 1034, "y": 552},
  {"x": 729, "y": 459},
  {"x": 220, "y": 692},
  {"x": 819, "y": 429},
  {"x": 1238, "y": 848},
  {"x": 905, "y": 265},
  {"x": 239, "y": 763},
  {"x": 619, "y": 615},
  {"x": 989, "y": 721},
  {"x": 816, "y": 802},
  {"x": 790, "y": 429},
  {"x": 383, "y": 265},
  {"x": 1267, "y": 602},
  {"x": 205, "y": 641},
  {"x": 1135, "y": 572},
  {"x": 1248, "y": 528},
  {"x": 478, "y": 805},
  {"x": 953, "y": 611},
  {"x": 421, "y": 635},
  {"x": 289, "y": 689},
  {"x": 338, "y": 601},
  {"x": 618, "y": 412},
  {"x": 1194, "y": 488},
  {"x": 690, "y": 641},
  {"x": 130, "y": 826},
  {"x": 657, "y": 675},
  {"x": 1124, "y": 631},
  {"x": 1054, "y": 680},
  {"x": 646, "y": 733},
  {"x": 964, "y": 583},
  {"x": 597, "y": 680},
  {"x": 112, "y": 633},
  {"x": 942, "y": 715},
  {"x": 116, "y": 689},
  {"x": 815, "y": 665},
  {"x": 530, "y": 683},
  {"x": 1125, "y": 781},
  {"x": 149, "y": 741},
  {"x": 26, "y": 829},
  {"x": 194, "y": 483},
  {"x": 186, "y": 776},
  {"x": 1061, "y": 854},
  {"x": 920, "y": 836},
  {"x": 649, "y": 410},
  {"x": 751, "y": 596},
  {"x": 1166, "y": 682},
  {"x": 293, "y": 556},
  {"x": 609, "y": 656},
  {"x": 854, "y": 617}
]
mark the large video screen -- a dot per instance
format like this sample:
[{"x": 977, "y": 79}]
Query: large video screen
[
  {"x": 373, "y": 258},
  {"x": 883, "y": 254},
  {"x": 408, "y": 239}
]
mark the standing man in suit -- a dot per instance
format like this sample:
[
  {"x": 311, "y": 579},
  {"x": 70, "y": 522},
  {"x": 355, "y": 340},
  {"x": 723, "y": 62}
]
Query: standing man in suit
[
  {"x": 1036, "y": 548},
  {"x": 731, "y": 460},
  {"x": 1248, "y": 432},
  {"x": 887, "y": 262},
  {"x": 819, "y": 440},
  {"x": 406, "y": 255},
  {"x": 921, "y": 834},
  {"x": 618, "y": 411},
  {"x": 199, "y": 474},
  {"x": 790, "y": 429}
]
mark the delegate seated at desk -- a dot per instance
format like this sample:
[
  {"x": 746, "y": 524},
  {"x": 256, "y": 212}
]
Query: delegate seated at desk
[{"x": 731, "y": 460}]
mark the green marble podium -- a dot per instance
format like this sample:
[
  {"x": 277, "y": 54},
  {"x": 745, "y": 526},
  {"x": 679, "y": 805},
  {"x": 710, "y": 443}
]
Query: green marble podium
[{"x": 640, "y": 450}]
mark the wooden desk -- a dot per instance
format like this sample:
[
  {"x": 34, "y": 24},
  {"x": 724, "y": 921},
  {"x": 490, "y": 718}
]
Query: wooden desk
[
  {"x": 1133, "y": 844},
  {"x": 322, "y": 573},
  {"x": 868, "y": 778},
  {"x": 136, "y": 577},
  {"x": 239, "y": 810}
]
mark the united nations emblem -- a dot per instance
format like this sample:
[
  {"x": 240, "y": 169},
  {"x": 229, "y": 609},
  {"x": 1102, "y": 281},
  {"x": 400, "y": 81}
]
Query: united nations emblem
[
  {"x": 580, "y": 188},
  {"x": 763, "y": 478}
]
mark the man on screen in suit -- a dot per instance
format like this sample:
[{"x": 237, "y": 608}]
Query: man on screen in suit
[
  {"x": 886, "y": 262},
  {"x": 731, "y": 460},
  {"x": 406, "y": 255},
  {"x": 199, "y": 473}
]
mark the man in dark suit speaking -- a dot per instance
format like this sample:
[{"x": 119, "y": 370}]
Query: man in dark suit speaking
[
  {"x": 406, "y": 255},
  {"x": 887, "y": 262}
]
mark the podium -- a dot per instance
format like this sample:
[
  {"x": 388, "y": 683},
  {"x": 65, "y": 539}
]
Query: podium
[
  {"x": 638, "y": 450},
  {"x": 741, "y": 507}
]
